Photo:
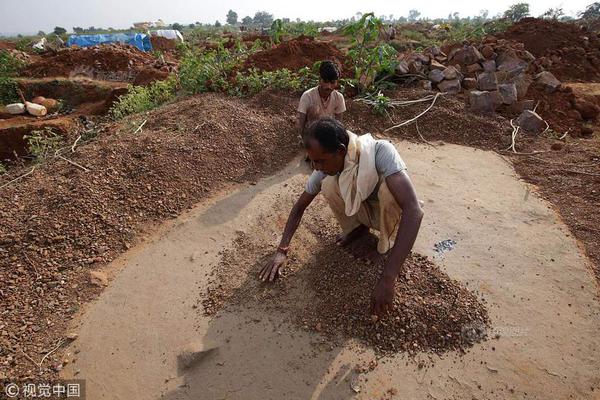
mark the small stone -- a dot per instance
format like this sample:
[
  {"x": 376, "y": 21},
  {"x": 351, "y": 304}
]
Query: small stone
[
  {"x": 587, "y": 109},
  {"x": 487, "y": 51},
  {"x": 481, "y": 102},
  {"x": 489, "y": 66},
  {"x": 547, "y": 81},
  {"x": 450, "y": 86},
  {"x": 508, "y": 91},
  {"x": 487, "y": 81},
  {"x": 556, "y": 146},
  {"x": 437, "y": 65},
  {"x": 473, "y": 68},
  {"x": 426, "y": 85},
  {"x": 450, "y": 73},
  {"x": 530, "y": 121},
  {"x": 72, "y": 336},
  {"x": 436, "y": 76},
  {"x": 469, "y": 83}
]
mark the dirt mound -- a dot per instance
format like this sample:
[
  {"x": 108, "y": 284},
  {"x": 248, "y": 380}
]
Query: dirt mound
[
  {"x": 297, "y": 53},
  {"x": 113, "y": 62},
  {"x": 565, "y": 49},
  {"x": 162, "y": 44},
  {"x": 63, "y": 221},
  {"x": 7, "y": 45},
  {"x": 432, "y": 313}
]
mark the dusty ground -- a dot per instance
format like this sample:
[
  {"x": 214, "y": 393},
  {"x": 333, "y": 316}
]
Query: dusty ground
[{"x": 537, "y": 285}]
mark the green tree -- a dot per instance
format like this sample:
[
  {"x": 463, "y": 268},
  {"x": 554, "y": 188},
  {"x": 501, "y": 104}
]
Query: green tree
[
  {"x": 517, "y": 11},
  {"x": 247, "y": 20},
  {"x": 59, "y": 30},
  {"x": 177, "y": 26},
  {"x": 232, "y": 17},
  {"x": 413, "y": 15},
  {"x": 553, "y": 13},
  {"x": 217, "y": 24},
  {"x": 77, "y": 29},
  {"x": 591, "y": 11},
  {"x": 41, "y": 33},
  {"x": 263, "y": 19}
]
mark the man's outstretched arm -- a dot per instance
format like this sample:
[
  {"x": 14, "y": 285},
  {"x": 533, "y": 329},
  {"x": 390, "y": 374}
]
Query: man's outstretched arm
[
  {"x": 405, "y": 195},
  {"x": 271, "y": 270}
]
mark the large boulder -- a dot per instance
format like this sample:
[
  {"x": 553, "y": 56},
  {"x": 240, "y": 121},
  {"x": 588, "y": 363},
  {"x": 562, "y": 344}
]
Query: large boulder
[
  {"x": 522, "y": 105},
  {"x": 508, "y": 91},
  {"x": 547, "y": 81},
  {"x": 450, "y": 86},
  {"x": 482, "y": 102},
  {"x": 487, "y": 81},
  {"x": 530, "y": 121}
]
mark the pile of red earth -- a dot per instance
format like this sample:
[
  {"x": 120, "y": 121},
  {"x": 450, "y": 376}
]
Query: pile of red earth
[
  {"x": 59, "y": 222},
  {"x": 110, "y": 62},
  {"x": 329, "y": 292},
  {"x": 569, "y": 51},
  {"x": 162, "y": 44},
  {"x": 298, "y": 53}
]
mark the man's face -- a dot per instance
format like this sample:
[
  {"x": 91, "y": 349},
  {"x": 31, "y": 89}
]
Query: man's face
[
  {"x": 326, "y": 87},
  {"x": 329, "y": 163}
]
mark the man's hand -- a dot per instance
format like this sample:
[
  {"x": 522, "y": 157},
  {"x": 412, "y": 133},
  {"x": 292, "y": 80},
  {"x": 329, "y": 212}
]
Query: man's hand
[
  {"x": 271, "y": 270},
  {"x": 382, "y": 299}
]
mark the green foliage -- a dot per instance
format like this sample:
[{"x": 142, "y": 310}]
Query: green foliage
[
  {"x": 254, "y": 81},
  {"x": 9, "y": 65},
  {"x": 262, "y": 18},
  {"x": 372, "y": 57},
  {"x": 553, "y": 13},
  {"x": 2, "y": 169},
  {"x": 517, "y": 11},
  {"x": 381, "y": 104},
  {"x": 208, "y": 71},
  {"x": 591, "y": 12},
  {"x": 42, "y": 143},
  {"x": 276, "y": 31},
  {"x": 143, "y": 98},
  {"x": 58, "y": 30},
  {"x": 232, "y": 17},
  {"x": 8, "y": 90}
]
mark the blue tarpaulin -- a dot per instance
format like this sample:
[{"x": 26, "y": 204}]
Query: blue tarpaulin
[{"x": 139, "y": 40}]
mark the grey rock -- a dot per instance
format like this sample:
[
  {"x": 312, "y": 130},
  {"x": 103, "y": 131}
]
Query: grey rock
[
  {"x": 489, "y": 66},
  {"x": 437, "y": 65},
  {"x": 436, "y": 76},
  {"x": 508, "y": 91},
  {"x": 467, "y": 55},
  {"x": 450, "y": 73},
  {"x": 469, "y": 83},
  {"x": 487, "y": 81},
  {"x": 522, "y": 82},
  {"x": 508, "y": 61},
  {"x": 547, "y": 81},
  {"x": 426, "y": 85},
  {"x": 531, "y": 122},
  {"x": 473, "y": 68},
  {"x": 481, "y": 102},
  {"x": 450, "y": 86}
]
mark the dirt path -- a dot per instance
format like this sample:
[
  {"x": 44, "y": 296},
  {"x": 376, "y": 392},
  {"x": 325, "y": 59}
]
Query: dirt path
[{"x": 511, "y": 248}]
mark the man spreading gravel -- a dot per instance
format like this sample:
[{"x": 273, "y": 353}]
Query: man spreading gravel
[{"x": 366, "y": 185}]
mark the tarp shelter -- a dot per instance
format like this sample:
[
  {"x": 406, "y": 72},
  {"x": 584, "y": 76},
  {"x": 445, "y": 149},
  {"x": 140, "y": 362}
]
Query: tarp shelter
[
  {"x": 171, "y": 34},
  {"x": 139, "y": 40}
]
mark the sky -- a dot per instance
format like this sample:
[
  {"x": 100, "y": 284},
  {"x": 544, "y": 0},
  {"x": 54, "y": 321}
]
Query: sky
[{"x": 35, "y": 15}]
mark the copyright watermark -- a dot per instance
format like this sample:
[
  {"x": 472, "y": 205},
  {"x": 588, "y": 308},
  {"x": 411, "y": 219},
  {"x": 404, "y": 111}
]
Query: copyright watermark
[{"x": 60, "y": 389}]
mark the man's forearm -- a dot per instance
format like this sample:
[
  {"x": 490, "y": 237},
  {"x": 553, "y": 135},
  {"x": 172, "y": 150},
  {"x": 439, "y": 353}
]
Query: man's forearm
[
  {"x": 408, "y": 230},
  {"x": 290, "y": 227}
]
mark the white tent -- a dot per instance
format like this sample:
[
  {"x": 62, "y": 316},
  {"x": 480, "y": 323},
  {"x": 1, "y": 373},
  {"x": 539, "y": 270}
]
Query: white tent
[{"x": 171, "y": 34}]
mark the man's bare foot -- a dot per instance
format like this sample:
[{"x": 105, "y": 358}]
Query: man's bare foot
[{"x": 358, "y": 232}]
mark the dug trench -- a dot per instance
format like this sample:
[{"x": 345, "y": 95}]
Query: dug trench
[{"x": 515, "y": 264}]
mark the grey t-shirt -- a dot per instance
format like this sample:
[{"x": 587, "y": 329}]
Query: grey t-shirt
[{"x": 387, "y": 162}]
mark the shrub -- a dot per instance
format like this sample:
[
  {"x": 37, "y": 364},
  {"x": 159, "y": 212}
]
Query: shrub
[
  {"x": 143, "y": 98},
  {"x": 42, "y": 143}
]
